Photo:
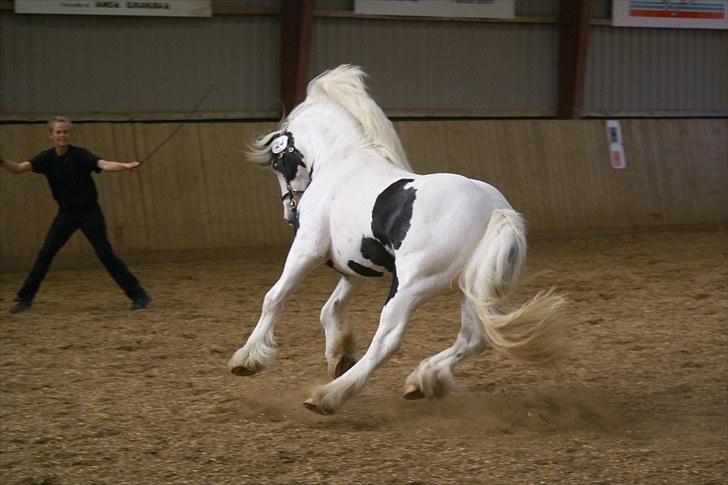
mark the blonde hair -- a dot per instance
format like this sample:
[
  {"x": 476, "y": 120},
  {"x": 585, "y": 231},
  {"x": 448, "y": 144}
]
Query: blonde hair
[{"x": 58, "y": 119}]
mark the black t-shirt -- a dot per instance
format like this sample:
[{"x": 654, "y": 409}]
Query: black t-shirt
[{"x": 69, "y": 175}]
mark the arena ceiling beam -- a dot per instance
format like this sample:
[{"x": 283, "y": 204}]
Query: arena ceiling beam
[
  {"x": 296, "y": 26},
  {"x": 574, "y": 16}
]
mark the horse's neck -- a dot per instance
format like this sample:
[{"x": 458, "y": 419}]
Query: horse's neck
[{"x": 327, "y": 134}]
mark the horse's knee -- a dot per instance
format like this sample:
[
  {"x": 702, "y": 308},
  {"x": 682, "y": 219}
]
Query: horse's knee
[
  {"x": 330, "y": 310},
  {"x": 469, "y": 344},
  {"x": 475, "y": 345},
  {"x": 272, "y": 302}
]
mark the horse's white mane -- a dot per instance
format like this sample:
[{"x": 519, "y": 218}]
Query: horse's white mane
[{"x": 345, "y": 87}]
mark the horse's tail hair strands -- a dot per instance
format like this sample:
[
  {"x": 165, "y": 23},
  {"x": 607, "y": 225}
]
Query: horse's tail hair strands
[{"x": 533, "y": 333}]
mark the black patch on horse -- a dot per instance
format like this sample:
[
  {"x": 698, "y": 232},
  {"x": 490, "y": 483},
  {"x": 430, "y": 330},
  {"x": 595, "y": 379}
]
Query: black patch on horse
[
  {"x": 330, "y": 264},
  {"x": 392, "y": 213},
  {"x": 391, "y": 219},
  {"x": 363, "y": 270},
  {"x": 393, "y": 288},
  {"x": 372, "y": 250},
  {"x": 375, "y": 252}
]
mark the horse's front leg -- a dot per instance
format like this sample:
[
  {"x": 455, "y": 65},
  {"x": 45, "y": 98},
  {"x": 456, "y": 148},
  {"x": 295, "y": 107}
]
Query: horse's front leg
[
  {"x": 259, "y": 350},
  {"x": 339, "y": 351}
]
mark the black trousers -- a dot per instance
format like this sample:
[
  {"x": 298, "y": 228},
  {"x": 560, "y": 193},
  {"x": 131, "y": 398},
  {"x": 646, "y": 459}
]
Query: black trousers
[{"x": 90, "y": 220}]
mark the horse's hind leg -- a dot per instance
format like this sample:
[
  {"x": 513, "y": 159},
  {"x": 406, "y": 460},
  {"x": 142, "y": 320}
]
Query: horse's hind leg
[
  {"x": 433, "y": 377},
  {"x": 339, "y": 351},
  {"x": 328, "y": 398}
]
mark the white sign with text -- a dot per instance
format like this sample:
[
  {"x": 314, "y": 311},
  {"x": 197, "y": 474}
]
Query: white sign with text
[{"x": 156, "y": 8}]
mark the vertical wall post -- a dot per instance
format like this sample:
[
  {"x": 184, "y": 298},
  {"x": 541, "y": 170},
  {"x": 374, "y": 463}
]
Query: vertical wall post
[
  {"x": 573, "y": 49},
  {"x": 296, "y": 26}
]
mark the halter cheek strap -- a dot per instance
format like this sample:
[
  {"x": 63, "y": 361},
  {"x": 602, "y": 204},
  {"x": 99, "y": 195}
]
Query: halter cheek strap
[{"x": 289, "y": 195}]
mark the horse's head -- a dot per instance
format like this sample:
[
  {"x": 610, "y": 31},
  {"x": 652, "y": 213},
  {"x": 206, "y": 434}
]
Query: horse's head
[
  {"x": 337, "y": 121},
  {"x": 278, "y": 151}
]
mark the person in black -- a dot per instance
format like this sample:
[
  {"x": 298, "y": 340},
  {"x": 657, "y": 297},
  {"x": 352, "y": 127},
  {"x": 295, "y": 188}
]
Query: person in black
[{"x": 68, "y": 171}]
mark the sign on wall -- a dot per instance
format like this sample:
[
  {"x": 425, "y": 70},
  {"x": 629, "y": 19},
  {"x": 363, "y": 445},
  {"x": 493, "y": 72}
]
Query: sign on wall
[
  {"x": 504, "y": 9},
  {"x": 676, "y": 14},
  {"x": 156, "y": 8},
  {"x": 616, "y": 149}
]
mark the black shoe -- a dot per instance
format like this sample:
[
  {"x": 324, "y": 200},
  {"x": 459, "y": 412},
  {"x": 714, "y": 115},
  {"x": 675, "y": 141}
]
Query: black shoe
[
  {"x": 21, "y": 306},
  {"x": 141, "y": 302}
]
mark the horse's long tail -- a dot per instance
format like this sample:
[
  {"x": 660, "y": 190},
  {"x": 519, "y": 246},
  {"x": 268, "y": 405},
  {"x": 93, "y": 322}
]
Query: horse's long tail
[{"x": 533, "y": 333}]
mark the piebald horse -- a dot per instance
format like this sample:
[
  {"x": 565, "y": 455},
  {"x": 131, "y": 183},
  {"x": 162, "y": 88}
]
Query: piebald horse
[{"x": 357, "y": 206}]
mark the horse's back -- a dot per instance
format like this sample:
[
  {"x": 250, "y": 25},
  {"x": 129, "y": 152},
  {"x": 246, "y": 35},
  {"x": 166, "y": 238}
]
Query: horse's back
[
  {"x": 438, "y": 201},
  {"x": 449, "y": 216},
  {"x": 453, "y": 202},
  {"x": 453, "y": 189},
  {"x": 393, "y": 217}
]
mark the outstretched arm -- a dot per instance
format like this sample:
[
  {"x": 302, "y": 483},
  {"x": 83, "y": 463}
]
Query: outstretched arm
[
  {"x": 108, "y": 166},
  {"x": 15, "y": 167}
]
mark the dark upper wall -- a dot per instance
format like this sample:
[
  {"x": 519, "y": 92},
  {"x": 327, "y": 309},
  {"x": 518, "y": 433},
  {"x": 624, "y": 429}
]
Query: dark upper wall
[
  {"x": 132, "y": 66},
  {"x": 117, "y": 68}
]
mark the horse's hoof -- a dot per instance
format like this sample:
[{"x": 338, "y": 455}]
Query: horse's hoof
[
  {"x": 242, "y": 371},
  {"x": 345, "y": 363},
  {"x": 312, "y": 405},
  {"x": 412, "y": 392}
]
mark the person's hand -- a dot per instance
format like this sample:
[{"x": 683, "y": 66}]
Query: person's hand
[{"x": 133, "y": 166}]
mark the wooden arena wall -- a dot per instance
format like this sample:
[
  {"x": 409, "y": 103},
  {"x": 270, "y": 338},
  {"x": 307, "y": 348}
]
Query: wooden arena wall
[{"x": 198, "y": 193}]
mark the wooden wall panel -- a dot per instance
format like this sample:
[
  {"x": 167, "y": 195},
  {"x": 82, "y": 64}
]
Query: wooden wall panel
[
  {"x": 558, "y": 172},
  {"x": 197, "y": 192}
]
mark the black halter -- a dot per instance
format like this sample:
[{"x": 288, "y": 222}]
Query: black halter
[{"x": 286, "y": 160}]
